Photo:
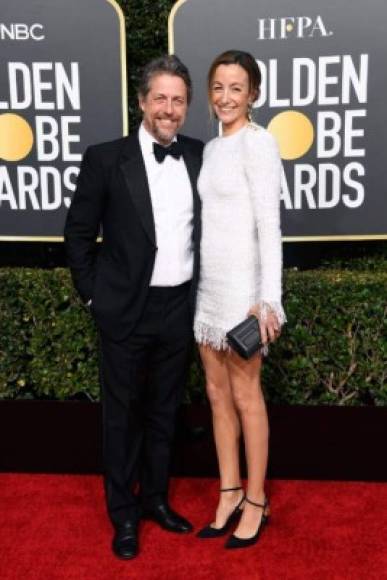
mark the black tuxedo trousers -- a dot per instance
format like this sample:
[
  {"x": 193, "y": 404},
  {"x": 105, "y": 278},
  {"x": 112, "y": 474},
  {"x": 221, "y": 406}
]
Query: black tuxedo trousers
[{"x": 142, "y": 380}]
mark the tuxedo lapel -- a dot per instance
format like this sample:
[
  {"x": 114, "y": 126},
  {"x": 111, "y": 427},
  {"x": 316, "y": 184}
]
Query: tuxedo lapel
[
  {"x": 134, "y": 172},
  {"x": 192, "y": 163}
]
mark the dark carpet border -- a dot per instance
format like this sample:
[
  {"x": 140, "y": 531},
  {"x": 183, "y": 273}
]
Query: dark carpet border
[{"x": 306, "y": 442}]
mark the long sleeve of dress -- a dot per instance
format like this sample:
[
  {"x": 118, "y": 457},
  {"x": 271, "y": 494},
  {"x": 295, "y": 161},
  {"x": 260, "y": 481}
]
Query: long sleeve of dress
[{"x": 263, "y": 171}]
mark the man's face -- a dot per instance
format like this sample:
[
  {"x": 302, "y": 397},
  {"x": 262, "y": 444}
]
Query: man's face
[{"x": 164, "y": 107}]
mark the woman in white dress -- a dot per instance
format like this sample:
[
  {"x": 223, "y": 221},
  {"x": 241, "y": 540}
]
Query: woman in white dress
[{"x": 241, "y": 267}]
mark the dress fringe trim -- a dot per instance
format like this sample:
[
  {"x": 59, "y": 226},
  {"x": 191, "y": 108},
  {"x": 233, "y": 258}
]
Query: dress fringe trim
[{"x": 210, "y": 336}]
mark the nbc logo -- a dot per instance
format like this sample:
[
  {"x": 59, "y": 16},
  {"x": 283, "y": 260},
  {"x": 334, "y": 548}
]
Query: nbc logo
[{"x": 21, "y": 32}]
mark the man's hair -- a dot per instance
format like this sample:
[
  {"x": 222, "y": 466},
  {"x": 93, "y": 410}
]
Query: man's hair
[{"x": 166, "y": 64}]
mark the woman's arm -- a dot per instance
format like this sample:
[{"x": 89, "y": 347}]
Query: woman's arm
[{"x": 263, "y": 170}]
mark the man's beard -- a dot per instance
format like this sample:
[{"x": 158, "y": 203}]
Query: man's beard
[{"x": 164, "y": 136}]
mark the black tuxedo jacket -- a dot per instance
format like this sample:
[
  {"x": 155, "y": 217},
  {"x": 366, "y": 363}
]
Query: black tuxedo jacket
[{"x": 112, "y": 190}]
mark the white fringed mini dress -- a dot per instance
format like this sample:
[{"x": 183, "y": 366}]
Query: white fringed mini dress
[{"x": 240, "y": 252}]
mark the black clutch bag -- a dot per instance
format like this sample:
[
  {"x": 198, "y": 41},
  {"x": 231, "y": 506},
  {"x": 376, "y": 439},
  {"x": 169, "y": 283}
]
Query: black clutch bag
[{"x": 245, "y": 338}]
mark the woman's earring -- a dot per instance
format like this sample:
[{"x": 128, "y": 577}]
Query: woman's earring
[
  {"x": 213, "y": 115},
  {"x": 250, "y": 112}
]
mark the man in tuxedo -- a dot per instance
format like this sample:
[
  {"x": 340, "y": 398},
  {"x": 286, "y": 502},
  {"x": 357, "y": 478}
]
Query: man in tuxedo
[{"x": 140, "y": 287}]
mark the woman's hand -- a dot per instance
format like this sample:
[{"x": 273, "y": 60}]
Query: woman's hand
[{"x": 269, "y": 326}]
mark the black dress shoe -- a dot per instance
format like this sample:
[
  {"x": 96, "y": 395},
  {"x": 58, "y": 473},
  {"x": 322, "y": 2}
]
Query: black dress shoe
[
  {"x": 125, "y": 540},
  {"x": 167, "y": 518},
  {"x": 212, "y": 532}
]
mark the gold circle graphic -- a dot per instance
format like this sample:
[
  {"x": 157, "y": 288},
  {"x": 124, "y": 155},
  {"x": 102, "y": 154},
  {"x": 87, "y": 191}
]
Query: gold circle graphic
[
  {"x": 289, "y": 27},
  {"x": 294, "y": 133},
  {"x": 16, "y": 137}
]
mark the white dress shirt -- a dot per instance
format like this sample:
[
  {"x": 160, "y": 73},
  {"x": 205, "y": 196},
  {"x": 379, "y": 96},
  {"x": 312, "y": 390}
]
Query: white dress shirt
[{"x": 172, "y": 203}]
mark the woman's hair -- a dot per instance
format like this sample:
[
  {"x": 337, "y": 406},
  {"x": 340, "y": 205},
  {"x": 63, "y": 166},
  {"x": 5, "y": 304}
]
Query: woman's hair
[
  {"x": 166, "y": 64},
  {"x": 246, "y": 61}
]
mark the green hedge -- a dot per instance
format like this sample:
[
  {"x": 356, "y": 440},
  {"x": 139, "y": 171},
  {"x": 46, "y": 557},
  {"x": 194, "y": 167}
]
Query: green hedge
[
  {"x": 332, "y": 351},
  {"x": 47, "y": 341}
]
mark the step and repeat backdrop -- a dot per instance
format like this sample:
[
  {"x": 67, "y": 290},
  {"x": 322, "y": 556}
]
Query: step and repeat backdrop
[
  {"x": 322, "y": 96},
  {"x": 62, "y": 87}
]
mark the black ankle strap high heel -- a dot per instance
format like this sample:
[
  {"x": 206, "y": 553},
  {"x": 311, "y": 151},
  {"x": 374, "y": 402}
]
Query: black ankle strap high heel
[
  {"x": 235, "y": 542},
  {"x": 211, "y": 532}
]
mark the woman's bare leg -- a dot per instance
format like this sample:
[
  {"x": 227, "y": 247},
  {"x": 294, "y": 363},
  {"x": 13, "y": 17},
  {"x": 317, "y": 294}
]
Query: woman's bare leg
[
  {"x": 250, "y": 403},
  {"x": 226, "y": 428}
]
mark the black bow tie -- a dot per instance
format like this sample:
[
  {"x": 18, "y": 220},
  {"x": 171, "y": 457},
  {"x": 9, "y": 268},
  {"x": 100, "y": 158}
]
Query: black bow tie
[{"x": 161, "y": 152}]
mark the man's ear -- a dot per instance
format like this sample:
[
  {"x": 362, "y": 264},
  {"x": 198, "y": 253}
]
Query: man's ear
[{"x": 141, "y": 102}]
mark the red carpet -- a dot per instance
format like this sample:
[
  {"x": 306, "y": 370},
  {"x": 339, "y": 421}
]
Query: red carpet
[{"x": 55, "y": 527}]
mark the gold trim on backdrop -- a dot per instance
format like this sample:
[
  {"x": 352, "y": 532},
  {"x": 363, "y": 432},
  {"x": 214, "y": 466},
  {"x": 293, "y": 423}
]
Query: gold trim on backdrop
[
  {"x": 35, "y": 239},
  {"x": 31, "y": 239},
  {"x": 124, "y": 80},
  {"x": 171, "y": 21},
  {"x": 346, "y": 238}
]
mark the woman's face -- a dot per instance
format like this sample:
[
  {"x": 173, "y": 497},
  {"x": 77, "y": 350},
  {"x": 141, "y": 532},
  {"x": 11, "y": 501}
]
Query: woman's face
[{"x": 230, "y": 96}]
